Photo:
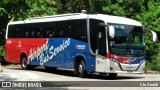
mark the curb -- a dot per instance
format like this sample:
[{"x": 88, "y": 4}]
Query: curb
[{"x": 152, "y": 72}]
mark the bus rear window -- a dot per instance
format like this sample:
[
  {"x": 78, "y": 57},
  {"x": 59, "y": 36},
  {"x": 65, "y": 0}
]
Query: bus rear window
[{"x": 12, "y": 31}]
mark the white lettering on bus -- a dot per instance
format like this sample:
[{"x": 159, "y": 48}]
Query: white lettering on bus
[{"x": 45, "y": 53}]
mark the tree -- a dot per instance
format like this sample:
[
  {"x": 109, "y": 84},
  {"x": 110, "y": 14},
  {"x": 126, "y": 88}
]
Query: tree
[
  {"x": 43, "y": 7},
  {"x": 150, "y": 17},
  {"x": 125, "y": 8},
  {"x": 22, "y": 9}
]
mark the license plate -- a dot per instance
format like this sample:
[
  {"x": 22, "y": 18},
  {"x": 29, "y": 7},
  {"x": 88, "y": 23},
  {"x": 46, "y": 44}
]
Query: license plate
[
  {"x": 130, "y": 71},
  {"x": 130, "y": 68}
]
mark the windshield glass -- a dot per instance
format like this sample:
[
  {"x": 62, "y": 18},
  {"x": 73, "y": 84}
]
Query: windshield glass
[{"x": 128, "y": 40}]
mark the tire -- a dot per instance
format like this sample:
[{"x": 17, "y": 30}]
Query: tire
[
  {"x": 76, "y": 69},
  {"x": 112, "y": 75},
  {"x": 24, "y": 64},
  {"x": 81, "y": 69}
]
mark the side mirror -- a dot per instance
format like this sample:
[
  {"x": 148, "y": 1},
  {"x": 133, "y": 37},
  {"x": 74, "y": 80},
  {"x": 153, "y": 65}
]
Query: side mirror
[
  {"x": 154, "y": 35},
  {"x": 111, "y": 31}
]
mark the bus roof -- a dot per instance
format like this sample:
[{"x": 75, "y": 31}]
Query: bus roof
[
  {"x": 116, "y": 19},
  {"x": 105, "y": 18}
]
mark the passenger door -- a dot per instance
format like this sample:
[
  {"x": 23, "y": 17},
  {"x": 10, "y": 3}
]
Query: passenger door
[{"x": 101, "y": 50}]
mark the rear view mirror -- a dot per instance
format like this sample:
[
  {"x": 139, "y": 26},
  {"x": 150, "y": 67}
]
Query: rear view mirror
[
  {"x": 110, "y": 29},
  {"x": 111, "y": 32},
  {"x": 154, "y": 35}
]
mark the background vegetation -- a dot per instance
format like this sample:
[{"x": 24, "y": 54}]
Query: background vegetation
[{"x": 145, "y": 11}]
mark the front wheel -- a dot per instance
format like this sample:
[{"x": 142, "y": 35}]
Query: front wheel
[{"x": 81, "y": 69}]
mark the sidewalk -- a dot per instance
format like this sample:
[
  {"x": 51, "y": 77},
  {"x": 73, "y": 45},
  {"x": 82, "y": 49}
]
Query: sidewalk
[{"x": 152, "y": 72}]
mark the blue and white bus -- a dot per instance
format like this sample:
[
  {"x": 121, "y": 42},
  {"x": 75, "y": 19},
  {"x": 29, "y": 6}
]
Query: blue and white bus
[{"x": 83, "y": 42}]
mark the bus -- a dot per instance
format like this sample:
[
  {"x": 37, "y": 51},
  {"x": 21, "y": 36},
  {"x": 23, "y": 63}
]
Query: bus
[{"x": 86, "y": 43}]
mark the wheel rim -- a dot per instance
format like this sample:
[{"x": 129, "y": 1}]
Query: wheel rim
[
  {"x": 23, "y": 62},
  {"x": 80, "y": 68}
]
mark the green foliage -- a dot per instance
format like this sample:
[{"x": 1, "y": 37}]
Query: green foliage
[
  {"x": 15, "y": 9},
  {"x": 2, "y": 54},
  {"x": 42, "y": 7},
  {"x": 6, "y": 1},
  {"x": 125, "y": 8},
  {"x": 152, "y": 50},
  {"x": 22, "y": 9},
  {"x": 155, "y": 64},
  {"x": 9, "y": 1},
  {"x": 150, "y": 17},
  {"x": 75, "y": 6},
  {"x": 2, "y": 11},
  {"x": 2, "y": 51}
]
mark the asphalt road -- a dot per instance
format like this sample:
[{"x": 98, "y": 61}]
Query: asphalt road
[{"x": 91, "y": 82}]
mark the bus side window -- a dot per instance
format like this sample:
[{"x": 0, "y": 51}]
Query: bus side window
[
  {"x": 79, "y": 29},
  {"x": 33, "y": 34},
  {"x": 27, "y": 34},
  {"x": 51, "y": 32},
  {"x": 38, "y": 34},
  {"x": 47, "y": 34},
  {"x": 61, "y": 33},
  {"x": 18, "y": 32}
]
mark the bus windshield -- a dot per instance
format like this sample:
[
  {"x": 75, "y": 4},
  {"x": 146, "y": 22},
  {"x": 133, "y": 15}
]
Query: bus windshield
[{"x": 128, "y": 40}]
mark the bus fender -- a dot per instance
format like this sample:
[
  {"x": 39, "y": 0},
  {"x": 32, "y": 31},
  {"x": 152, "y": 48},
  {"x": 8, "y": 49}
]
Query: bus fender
[{"x": 77, "y": 58}]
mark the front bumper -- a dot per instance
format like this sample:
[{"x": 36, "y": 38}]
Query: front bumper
[{"x": 126, "y": 68}]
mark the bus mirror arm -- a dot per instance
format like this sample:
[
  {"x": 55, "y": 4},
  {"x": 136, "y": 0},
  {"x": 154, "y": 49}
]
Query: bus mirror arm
[
  {"x": 111, "y": 29},
  {"x": 154, "y": 35},
  {"x": 102, "y": 24}
]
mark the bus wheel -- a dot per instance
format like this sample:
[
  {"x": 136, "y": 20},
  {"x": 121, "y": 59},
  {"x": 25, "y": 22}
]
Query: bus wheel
[
  {"x": 81, "y": 69},
  {"x": 24, "y": 64},
  {"x": 112, "y": 75}
]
